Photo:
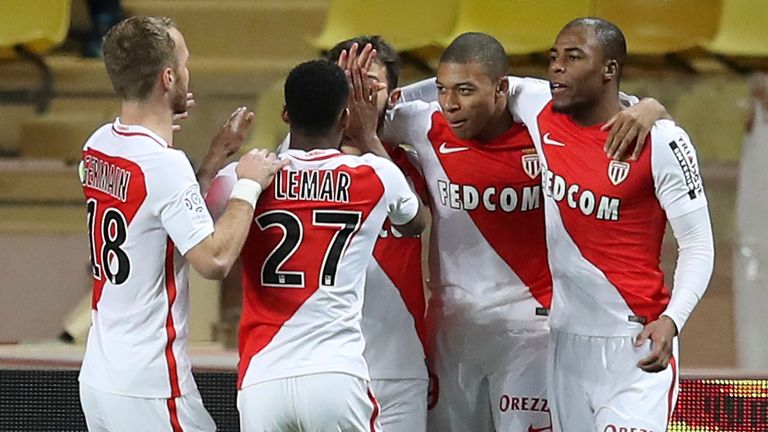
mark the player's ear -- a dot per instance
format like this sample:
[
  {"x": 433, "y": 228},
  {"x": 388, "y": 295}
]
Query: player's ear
[
  {"x": 284, "y": 115},
  {"x": 502, "y": 87},
  {"x": 394, "y": 97},
  {"x": 167, "y": 77},
  {"x": 344, "y": 119},
  {"x": 611, "y": 70}
]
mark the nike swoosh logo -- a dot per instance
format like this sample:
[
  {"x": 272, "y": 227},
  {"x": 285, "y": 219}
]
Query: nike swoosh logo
[
  {"x": 444, "y": 149},
  {"x": 550, "y": 141}
]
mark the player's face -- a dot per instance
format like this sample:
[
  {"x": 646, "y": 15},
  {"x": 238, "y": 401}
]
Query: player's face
[
  {"x": 467, "y": 96},
  {"x": 181, "y": 73},
  {"x": 575, "y": 69},
  {"x": 378, "y": 74}
]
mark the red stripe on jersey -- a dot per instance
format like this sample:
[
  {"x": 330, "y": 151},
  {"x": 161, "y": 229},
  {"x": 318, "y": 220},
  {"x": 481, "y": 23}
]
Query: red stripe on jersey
[
  {"x": 626, "y": 244},
  {"x": 375, "y": 413},
  {"x": 500, "y": 172},
  {"x": 400, "y": 259},
  {"x": 672, "y": 386},
  {"x": 101, "y": 193},
  {"x": 174, "y": 415},
  {"x": 132, "y": 134},
  {"x": 267, "y": 308},
  {"x": 170, "y": 289}
]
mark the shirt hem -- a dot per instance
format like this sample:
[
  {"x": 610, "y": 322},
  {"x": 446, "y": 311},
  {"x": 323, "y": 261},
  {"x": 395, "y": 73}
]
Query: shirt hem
[{"x": 356, "y": 372}]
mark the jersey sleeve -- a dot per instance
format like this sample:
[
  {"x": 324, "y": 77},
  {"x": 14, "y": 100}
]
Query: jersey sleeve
[
  {"x": 180, "y": 205},
  {"x": 408, "y": 162},
  {"x": 221, "y": 188},
  {"x": 424, "y": 90},
  {"x": 402, "y": 203},
  {"x": 408, "y": 123},
  {"x": 527, "y": 97},
  {"x": 675, "y": 169},
  {"x": 695, "y": 261}
]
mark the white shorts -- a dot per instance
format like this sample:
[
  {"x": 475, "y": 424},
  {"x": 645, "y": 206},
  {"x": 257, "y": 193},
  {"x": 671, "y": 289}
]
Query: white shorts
[
  {"x": 325, "y": 402},
  {"x": 595, "y": 385},
  {"x": 403, "y": 404},
  {"x": 500, "y": 387},
  {"x": 107, "y": 412}
]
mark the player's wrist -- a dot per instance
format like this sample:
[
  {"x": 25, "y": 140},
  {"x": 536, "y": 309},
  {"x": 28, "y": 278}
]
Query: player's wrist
[
  {"x": 672, "y": 322},
  {"x": 247, "y": 190}
]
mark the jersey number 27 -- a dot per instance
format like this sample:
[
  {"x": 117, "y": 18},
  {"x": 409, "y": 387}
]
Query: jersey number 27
[{"x": 347, "y": 224}]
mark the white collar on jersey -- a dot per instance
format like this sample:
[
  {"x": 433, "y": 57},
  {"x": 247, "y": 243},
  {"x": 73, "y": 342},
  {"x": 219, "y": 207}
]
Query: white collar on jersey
[
  {"x": 313, "y": 154},
  {"x": 130, "y": 130}
]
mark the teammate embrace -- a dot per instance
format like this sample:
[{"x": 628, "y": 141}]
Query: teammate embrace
[{"x": 533, "y": 227}]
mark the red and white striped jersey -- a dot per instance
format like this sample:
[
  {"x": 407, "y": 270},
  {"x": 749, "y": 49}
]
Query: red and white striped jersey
[
  {"x": 488, "y": 260},
  {"x": 144, "y": 211},
  {"x": 393, "y": 310},
  {"x": 606, "y": 218},
  {"x": 305, "y": 258}
]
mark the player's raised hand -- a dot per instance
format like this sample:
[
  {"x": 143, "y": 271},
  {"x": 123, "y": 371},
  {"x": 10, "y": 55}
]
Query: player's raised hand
[
  {"x": 232, "y": 133},
  {"x": 661, "y": 333},
  {"x": 177, "y": 118},
  {"x": 259, "y": 165},
  {"x": 224, "y": 144},
  {"x": 630, "y": 127},
  {"x": 362, "y": 104}
]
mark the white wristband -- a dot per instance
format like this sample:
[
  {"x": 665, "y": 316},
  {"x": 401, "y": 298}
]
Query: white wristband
[{"x": 247, "y": 190}]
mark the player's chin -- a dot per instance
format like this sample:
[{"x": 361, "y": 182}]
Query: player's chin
[
  {"x": 465, "y": 131},
  {"x": 180, "y": 107},
  {"x": 562, "y": 105}
]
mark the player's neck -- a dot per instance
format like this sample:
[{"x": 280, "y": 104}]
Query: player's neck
[
  {"x": 157, "y": 118},
  {"x": 299, "y": 141},
  {"x": 598, "y": 112},
  {"x": 499, "y": 124}
]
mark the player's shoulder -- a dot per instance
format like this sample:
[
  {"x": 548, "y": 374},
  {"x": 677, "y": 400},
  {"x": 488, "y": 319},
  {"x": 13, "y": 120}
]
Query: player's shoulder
[
  {"x": 417, "y": 107},
  {"x": 97, "y": 137},
  {"x": 668, "y": 134},
  {"x": 519, "y": 85},
  {"x": 170, "y": 158},
  {"x": 382, "y": 167},
  {"x": 376, "y": 162}
]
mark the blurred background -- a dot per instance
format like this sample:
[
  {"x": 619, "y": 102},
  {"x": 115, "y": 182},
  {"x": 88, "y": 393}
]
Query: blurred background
[{"x": 701, "y": 58}]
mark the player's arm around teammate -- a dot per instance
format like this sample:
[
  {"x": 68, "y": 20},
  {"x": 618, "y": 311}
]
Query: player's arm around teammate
[
  {"x": 214, "y": 256},
  {"x": 627, "y": 128}
]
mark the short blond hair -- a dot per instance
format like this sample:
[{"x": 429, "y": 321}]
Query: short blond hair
[{"x": 135, "y": 51}]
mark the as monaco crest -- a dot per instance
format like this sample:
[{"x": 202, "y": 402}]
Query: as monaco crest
[
  {"x": 531, "y": 165},
  {"x": 618, "y": 172}
]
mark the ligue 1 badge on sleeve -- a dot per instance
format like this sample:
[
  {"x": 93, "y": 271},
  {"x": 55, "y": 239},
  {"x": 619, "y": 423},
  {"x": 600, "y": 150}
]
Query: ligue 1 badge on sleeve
[
  {"x": 618, "y": 172},
  {"x": 81, "y": 171}
]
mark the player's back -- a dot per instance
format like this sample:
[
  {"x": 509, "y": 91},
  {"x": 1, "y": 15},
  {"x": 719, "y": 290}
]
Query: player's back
[
  {"x": 304, "y": 264},
  {"x": 140, "y": 194}
]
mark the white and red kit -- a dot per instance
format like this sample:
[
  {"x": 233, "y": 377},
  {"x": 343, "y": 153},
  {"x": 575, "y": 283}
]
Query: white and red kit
[
  {"x": 304, "y": 273},
  {"x": 144, "y": 212},
  {"x": 489, "y": 278},
  {"x": 605, "y": 225},
  {"x": 393, "y": 316}
]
